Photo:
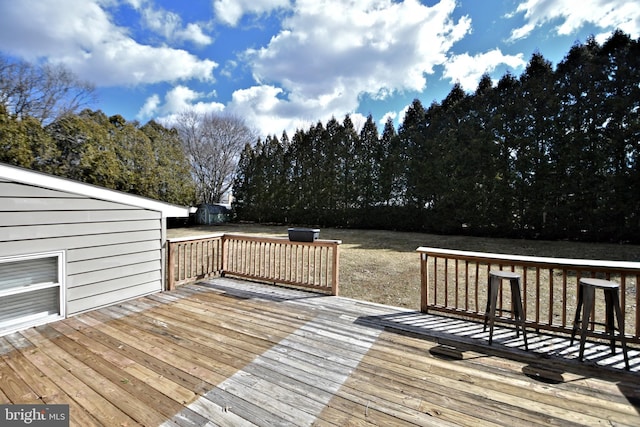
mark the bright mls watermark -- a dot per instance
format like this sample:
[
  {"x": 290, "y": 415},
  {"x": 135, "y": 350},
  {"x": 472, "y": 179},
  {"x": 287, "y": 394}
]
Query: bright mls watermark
[{"x": 34, "y": 415}]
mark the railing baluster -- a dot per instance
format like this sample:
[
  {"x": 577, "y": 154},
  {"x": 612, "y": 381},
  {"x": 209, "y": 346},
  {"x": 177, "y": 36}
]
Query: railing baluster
[
  {"x": 435, "y": 278},
  {"x": 477, "y": 281},
  {"x": 184, "y": 262},
  {"x": 466, "y": 285},
  {"x": 322, "y": 274},
  {"x": 446, "y": 282},
  {"x": 457, "y": 283},
  {"x": 537, "y": 294},
  {"x": 551, "y": 299},
  {"x": 637, "y": 332},
  {"x": 564, "y": 298}
]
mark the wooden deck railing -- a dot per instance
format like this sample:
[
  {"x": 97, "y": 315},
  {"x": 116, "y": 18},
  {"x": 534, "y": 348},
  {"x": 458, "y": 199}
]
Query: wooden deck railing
[
  {"x": 311, "y": 265},
  {"x": 193, "y": 258},
  {"x": 456, "y": 282},
  {"x": 278, "y": 260}
]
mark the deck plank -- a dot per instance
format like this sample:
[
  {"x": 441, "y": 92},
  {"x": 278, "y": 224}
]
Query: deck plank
[
  {"x": 506, "y": 376},
  {"x": 155, "y": 405},
  {"x": 47, "y": 390},
  {"x": 111, "y": 389},
  {"x": 14, "y": 387},
  {"x": 129, "y": 366},
  {"x": 82, "y": 394},
  {"x": 151, "y": 361}
]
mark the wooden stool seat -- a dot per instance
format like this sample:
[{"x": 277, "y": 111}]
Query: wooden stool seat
[
  {"x": 495, "y": 281},
  {"x": 586, "y": 296}
]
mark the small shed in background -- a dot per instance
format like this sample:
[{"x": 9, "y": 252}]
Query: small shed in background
[
  {"x": 212, "y": 214},
  {"x": 67, "y": 247}
]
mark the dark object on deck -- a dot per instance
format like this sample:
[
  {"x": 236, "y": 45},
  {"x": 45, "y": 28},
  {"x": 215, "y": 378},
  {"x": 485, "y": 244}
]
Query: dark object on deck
[
  {"x": 586, "y": 294},
  {"x": 304, "y": 234},
  {"x": 495, "y": 281},
  {"x": 208, "y": 214}
]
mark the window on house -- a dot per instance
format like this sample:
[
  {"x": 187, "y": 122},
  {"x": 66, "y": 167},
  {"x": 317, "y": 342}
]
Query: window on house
[{"x": 31, "y": 290}]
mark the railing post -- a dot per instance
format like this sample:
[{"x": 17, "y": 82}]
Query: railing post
[
  {"x": 171, "y": 268},
  {"x": 336, "y": 265},
  {"x": 224, "y": 248},
  {"x": 424, "y": 282},
  {"x": 637, "y": 331}
]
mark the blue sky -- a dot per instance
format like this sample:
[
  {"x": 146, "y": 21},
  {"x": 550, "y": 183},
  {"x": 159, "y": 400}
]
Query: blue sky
[{"x": 285, "y": 64}]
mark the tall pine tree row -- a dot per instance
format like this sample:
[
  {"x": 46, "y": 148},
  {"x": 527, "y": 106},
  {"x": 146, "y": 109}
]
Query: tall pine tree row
[{"x": 553, "y": 153}]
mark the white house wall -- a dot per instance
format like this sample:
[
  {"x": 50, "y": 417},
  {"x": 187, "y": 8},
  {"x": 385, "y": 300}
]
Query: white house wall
[{"x": 113, "y": 250}]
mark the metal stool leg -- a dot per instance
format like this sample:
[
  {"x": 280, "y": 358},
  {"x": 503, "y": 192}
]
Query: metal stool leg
[
  {"x": 616, "y": 305},
  {"x": 588, "y": 294},
  {"x": 487, "y": 309},
  {"x": 609, "y": 319},
  {"x": 494, "y": 284},
  {"x": 576, "y": 319},
  {"x": 516, "y": 304}
]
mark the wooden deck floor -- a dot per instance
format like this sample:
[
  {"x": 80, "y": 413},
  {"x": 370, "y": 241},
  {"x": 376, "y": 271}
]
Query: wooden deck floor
[{"x": 234, "y": 353}]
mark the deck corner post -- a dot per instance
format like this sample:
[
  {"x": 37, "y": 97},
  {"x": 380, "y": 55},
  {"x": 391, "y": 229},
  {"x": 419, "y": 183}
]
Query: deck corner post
[
  {"x": 225, "y": 250},
  {"x": 424, "y": 281},
  {"x": 171, "y": 268},
  {"x": 336, "y": 266}
]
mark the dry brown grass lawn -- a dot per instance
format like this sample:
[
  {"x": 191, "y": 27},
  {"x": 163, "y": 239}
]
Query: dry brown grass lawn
[{"x": 383, "y": 266}]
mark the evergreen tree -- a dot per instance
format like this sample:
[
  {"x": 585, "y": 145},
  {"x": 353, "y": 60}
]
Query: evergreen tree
[
  {"x": 367, "y": 171},
  {"x": 451, "y": 153},
  {"x": 621, "y": 136},
  {"x": 479, "y": 130},
  {"x": 578, "y": 158},
  {"x": 171, "y": 173},
  {"x": 88, "y": 150},
  {"x": 415, "y": 155},
  {"x": 300, "y": 169},
  {"x": 352, "y": 164},
  {"x": 536, "y": 137},
  {"x": 23, "y": 142},
  {"x": 392, "y": 175},
  {"x": 245, "y": 187},
  {"x": 329, "y": 158}
]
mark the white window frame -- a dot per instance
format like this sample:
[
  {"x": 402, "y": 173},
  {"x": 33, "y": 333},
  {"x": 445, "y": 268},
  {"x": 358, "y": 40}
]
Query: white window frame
[{"x": 35, "y": 320}]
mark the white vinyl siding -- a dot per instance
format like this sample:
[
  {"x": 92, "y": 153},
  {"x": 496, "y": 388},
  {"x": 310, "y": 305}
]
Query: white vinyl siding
[
  {"x": 113, "y": 251},
  {"x": 31, "y": 290},
  {"x": 112, "y": 243}
]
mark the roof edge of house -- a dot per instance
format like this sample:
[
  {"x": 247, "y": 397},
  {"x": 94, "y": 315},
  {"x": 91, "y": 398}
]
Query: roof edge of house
[{"x": 52, "y": 182}]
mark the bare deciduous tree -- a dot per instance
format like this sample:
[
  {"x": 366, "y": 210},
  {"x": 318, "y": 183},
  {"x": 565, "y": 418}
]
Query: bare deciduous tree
[
  {"x": 44, "y": 92},
  {"x": 213, "y": 144}
]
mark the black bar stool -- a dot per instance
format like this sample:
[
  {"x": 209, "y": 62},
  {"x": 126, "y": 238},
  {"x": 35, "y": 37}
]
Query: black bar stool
[
  {"x": 586, "y": 296},
  {"x": 495, "y": 280}
]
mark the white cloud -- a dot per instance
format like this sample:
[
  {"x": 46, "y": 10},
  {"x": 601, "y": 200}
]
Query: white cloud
[
  {"x": 81, "y": 35},
  {"x": 266, "y": 110},
  {"x": 150, "y": 107},
  {"x": 403, "y": 114},
  {"x": 231, "y": 11},
  {"x": 389, "y": 115},
  {"x": 322, "y": 61},
  {"x": 468, "y": 69},
  {"x": 570, "y": 17},
  {"x": 260, "y": 106},
  {"x": 177, "y": 100},
  {"x": 169, "y": 25},
  {"x": 193, "y": 32}
]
